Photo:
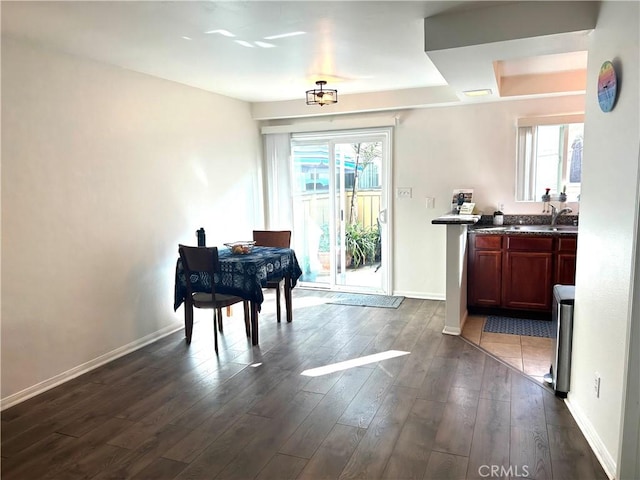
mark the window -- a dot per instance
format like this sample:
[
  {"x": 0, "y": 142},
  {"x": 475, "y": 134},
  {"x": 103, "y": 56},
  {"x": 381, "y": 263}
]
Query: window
[{"x": 549, "y": 156}]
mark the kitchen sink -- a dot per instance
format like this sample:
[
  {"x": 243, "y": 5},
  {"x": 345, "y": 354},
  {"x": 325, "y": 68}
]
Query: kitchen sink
[{"x": 543, "y": 228}]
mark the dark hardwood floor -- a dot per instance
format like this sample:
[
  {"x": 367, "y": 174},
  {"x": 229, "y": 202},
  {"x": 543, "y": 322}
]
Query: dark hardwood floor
[{"x": 446, "y": 410}]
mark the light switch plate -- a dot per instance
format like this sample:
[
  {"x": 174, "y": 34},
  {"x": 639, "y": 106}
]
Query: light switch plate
[{"x": 403, "y": 192}]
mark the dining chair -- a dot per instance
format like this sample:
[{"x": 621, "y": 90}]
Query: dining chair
[
  {"x": 273, "y": 238},
  {"x": 205, "y": 259}
]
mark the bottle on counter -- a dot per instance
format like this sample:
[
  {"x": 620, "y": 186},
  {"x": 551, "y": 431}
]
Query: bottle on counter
[
  {"x": 202, "y": 242},
  {"x": 562, "y": 197}
]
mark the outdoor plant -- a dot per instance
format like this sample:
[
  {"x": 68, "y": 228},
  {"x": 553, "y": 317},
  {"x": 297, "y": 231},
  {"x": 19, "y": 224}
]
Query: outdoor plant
[{"x": 361, "y": 243}]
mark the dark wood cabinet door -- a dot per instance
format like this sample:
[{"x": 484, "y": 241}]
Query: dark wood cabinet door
[
  {"x": 527, "y": 280},
  {"x": 485, "y": 271},
  {"x": 566, "y": 261},
  {"x": 566, "y": 269},
  {"x": 486, "y": 278}
]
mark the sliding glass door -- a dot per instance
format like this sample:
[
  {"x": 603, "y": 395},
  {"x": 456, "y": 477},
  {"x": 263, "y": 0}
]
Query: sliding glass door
[{"x": 340, "y": 209}]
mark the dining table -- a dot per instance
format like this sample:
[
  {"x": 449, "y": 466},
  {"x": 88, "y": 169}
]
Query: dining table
[{"x": 245, "y": 275}]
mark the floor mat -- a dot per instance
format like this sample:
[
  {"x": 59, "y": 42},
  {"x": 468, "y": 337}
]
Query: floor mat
[
  {"x": 518, "y": 326},
  {"x": 366, "y": 300}
]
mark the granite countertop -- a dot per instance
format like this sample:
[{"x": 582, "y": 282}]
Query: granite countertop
[
  {"x": 513, "y": 224},
  {"x": 455, "y": 219},
  {"x": 527, "y": 225}
]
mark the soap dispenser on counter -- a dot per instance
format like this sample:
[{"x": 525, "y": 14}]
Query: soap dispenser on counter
[{"x": 562, "y": 197}]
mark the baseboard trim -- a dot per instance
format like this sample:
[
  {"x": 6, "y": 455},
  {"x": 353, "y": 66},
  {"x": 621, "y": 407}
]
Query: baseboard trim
[
  {"x": 419, "y": 295},
  {"x": 452, "y": 331},
  {"x": 449, "y": 330},
  {"x": 593, "y": 439},
  {"x": 45, "y": 385}
]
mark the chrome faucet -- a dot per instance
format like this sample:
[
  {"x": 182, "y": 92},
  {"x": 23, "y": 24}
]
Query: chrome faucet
[{"x": 555, "y": 213}]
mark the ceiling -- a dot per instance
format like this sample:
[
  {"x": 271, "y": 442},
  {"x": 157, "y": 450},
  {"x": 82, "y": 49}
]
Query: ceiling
[{"x": 228, "y": 47}]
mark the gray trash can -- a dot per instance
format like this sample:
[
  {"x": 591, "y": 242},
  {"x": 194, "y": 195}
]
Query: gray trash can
[{"x": 562, "y": 333}]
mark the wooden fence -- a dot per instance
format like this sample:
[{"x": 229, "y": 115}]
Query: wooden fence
[{"x": 316, "y": 205}]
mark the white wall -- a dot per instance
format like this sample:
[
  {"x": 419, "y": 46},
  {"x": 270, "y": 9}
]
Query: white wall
[
  {"x": 439, "y": 149},
  {"x": 608, "y": 243},
  {"x": 104, "y": 171}
]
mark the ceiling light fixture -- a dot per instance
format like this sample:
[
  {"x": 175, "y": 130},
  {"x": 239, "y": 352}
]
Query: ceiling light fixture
[
  {"x": 320, "y": 96},
  {"x": 477, "y": 93}
]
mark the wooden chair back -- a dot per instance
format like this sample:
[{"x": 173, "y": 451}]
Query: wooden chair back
[
  {"x": 205, "y": 259},
  {"x": 272, "y": 238},
  {"x": 198, "y": 259}
]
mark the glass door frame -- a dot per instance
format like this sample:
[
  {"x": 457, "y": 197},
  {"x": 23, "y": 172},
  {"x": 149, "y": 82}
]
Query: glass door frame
[{"x": 331, "y": 139}]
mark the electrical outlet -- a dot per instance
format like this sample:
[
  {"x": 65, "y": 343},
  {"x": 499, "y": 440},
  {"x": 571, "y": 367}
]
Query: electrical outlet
[
  {"x": 403, "y": 192},
  {"x": 596, "y": 384},
  {"x": 430, "y": 202}
]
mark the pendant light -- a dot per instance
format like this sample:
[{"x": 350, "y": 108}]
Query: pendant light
[{"x": 320, "y": 96}]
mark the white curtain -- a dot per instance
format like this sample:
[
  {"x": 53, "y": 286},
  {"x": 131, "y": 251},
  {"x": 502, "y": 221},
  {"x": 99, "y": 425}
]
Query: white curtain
[
  {"x": 278, "y": 181},
  {"x": 526, "y": 168}
]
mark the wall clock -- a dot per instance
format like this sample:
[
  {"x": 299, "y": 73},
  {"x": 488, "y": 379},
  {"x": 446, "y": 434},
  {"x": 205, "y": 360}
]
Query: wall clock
[{"x": 607, "y": 86}]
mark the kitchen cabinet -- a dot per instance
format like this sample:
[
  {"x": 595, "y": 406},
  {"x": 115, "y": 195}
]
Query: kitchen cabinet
[
  {"x": 518, "y": 271},
  {"x": 485, "y": 270},
  {"x": 528, "y": 273},
  {"x": 565, "y": 273}
]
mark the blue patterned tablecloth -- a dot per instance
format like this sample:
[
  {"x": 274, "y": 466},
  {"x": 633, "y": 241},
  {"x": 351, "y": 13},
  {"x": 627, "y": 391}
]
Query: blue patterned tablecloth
[{"x": 242, "y": 275}]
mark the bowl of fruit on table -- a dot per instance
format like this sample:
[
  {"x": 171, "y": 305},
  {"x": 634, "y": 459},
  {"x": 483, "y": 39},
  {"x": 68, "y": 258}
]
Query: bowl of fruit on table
[{"x": 240, "y": 248}]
